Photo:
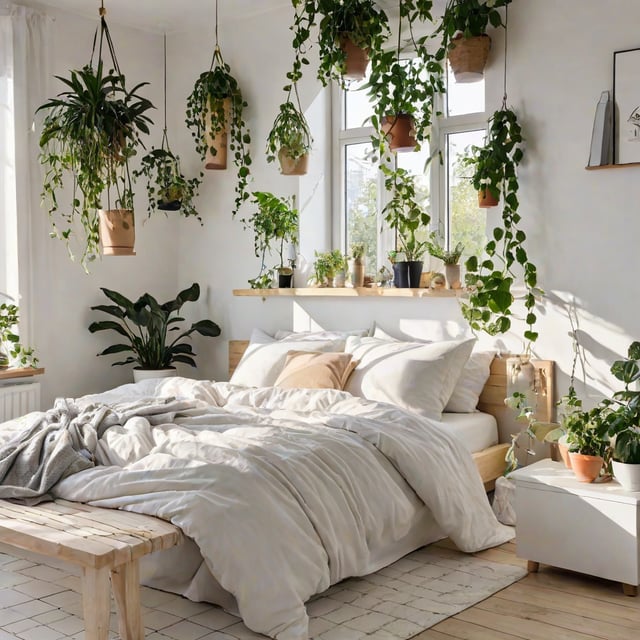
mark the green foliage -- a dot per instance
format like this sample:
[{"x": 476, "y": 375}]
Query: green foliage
[
  {"x": 327, "y": 264},
  {"x": 366, "y": 25},
  {"x": 167, "y": 187},
  {"x": 145, "y": 326},
  {"x": 490, "y": 280},
  {"x": 403, "y": 213},
  {"x": 447, "y": 256},
  {"x": 587, "y": 431},
  {"x": 206, "y": 117},
  {"x": 290, "y": 131},
  {"x": 90, "y": 133},
  {"x": 276, "y": 220},
  {"x": 356, "y": 250},
  {"x": 10, "y": 340}
]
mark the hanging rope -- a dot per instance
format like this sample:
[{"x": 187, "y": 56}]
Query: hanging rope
[
  {"x": 216, "y": 49},
  {"x": 104, "y": 34},
  {"x": 506, "y": 37},
  {"x": 165, "y": 140}
]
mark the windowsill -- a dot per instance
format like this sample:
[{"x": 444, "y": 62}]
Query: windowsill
[
  {"x": 10, "y": 374},
  {"x": 349, "y": 292}
]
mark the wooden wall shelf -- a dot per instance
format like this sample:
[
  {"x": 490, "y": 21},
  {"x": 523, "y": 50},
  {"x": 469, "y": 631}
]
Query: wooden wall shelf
[
  {"x": 348, "y": 292},
  {"x": 613, "y": 166},
  {"x": 9, "y": 374}
]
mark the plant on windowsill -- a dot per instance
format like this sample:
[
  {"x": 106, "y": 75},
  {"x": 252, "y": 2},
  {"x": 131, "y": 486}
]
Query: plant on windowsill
[
  {"x": 12, "y": 353},
  {"x": 89, "y": 134},
  {"x": 275, "y": 222},
  {"x": 327, "y": 266},
  {"x": 147, "y": 328},
  {"x": 409, "y": 220},
  {"x": 450, "y": 258},
  {"x": 404, "y": 82},
  {"x": 215, "y": 116},
  {"x": 463, "y": 33},
  {"x": 356, "y": 264},
  {"x": 349, "y": 31},
  {"x": 491, "y": 279}
]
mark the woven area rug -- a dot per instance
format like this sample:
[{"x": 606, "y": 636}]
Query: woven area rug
[{"x": 40, "y": 600}]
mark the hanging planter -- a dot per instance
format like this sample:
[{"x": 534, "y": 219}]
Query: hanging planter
[
  {"x": 486, "y": 199},
  {"x": 400, "y": 132},
  {"x": 216, "y": 136},
  {"x": 117, "y": 232},
  {"x": 290, "y": 137},
  {"x": 90, "y": 132},
  {"x": 291, "y": 165},
  {"x": 356, "y": 59},
  {"x": 468, "y": 57}
]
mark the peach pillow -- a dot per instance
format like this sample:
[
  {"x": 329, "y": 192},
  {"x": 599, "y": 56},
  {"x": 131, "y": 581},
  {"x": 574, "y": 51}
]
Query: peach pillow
[{"x": 315, "y": 370}]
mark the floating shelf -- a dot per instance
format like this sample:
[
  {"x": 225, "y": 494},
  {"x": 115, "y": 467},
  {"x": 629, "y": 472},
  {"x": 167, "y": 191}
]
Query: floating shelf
[
  {"x": 349, "y": 292},
  {"x": 9, "y": 374},
  {"x": 613, "y": 166}
]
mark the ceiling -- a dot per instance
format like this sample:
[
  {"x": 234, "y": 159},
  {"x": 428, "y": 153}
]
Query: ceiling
[{"x": 171, "y": 15}]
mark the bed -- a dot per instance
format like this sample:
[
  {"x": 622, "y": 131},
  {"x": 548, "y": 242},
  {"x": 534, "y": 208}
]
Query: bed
[{"x": 281, "y": 491}]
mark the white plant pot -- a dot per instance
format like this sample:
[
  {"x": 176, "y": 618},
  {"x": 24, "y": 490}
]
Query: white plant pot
[
  {"x": 628, "y": 475},
  {"x": 147, "y": 374}
]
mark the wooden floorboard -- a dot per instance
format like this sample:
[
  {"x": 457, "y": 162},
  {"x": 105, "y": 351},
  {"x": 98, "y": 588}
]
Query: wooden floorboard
[{"x": 552, "y": 604}]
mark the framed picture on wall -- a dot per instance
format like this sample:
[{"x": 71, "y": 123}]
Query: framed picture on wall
[{"x": 626, "y": 101}]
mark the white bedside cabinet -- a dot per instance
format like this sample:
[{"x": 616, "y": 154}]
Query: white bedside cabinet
[{"x": 590, "y": 528}]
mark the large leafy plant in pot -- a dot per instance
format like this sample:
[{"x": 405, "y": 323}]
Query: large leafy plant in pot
[
  {"x": 215, "y": 116},
  {"x": 89, "y": 134},
  {"x": 290, "y": 139},
  {"x": 152, "y": 336}
]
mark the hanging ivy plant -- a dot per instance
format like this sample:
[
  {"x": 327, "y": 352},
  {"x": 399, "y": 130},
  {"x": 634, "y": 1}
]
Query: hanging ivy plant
[
  {"x": 490, "y": 280},
  {"x": 214, "y": 106}
]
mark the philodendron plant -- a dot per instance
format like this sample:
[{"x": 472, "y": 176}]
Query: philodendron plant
[
  {"x": 216, "y": 106},
  {"x": 12, "y": 353},
  {"x": 490, "y": 279}
]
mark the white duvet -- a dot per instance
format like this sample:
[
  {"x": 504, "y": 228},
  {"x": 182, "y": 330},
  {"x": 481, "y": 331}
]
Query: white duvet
[{"x": 284, "y": 491}]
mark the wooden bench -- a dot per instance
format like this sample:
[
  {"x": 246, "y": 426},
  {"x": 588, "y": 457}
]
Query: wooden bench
[{"x": 103, "y": 542}]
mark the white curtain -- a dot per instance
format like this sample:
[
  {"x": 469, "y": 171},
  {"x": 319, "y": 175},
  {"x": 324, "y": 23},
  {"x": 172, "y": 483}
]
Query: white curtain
[{"x": 24, "y": 73}]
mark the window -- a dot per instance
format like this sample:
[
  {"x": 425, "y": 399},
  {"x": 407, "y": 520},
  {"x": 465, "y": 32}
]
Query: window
[{"x": 446, "y": 191}]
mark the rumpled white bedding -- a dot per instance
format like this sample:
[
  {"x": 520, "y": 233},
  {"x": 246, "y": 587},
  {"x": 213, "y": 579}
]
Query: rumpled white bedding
[{"x": 283, "y": 491}]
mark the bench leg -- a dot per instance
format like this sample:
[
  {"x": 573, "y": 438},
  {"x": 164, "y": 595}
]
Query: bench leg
[
  {"x": 532, "y": 566},
  {"x": 630, "y": 590},
  {"x": 96, "y": 603},
  {"x": 125, "y": 580}
]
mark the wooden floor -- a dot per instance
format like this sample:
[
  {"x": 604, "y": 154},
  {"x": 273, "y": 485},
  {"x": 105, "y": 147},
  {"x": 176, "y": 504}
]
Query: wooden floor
[{"x": 550, "y": 605}]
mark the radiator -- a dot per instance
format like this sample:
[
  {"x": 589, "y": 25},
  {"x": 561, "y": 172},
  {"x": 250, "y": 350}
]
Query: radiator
[{"x": 18, "y": 399}]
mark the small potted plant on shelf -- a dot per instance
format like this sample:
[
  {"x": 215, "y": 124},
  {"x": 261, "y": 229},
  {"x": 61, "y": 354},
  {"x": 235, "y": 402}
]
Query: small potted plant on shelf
[
  {"x": 450, "y": 258},
  {"x": 275, "y": 221},
  {"x": 12, "y": 353},
  {"x": 410, "y": 221},
  {"x": 215, "y": 116},
  {"x": 588, "y": 440},
  {"x": 290, "y": 140},
  {"x": 146, "y": 327},
  {"x": 349, "y": 31},
  {"x": 356, "y": 264},
  {"x": 463, "y": 30},
  {"x": 326, "y": 266}
]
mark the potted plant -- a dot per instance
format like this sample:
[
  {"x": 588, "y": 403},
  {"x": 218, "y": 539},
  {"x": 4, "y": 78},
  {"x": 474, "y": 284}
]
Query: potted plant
[
  {"x": 349, "y": 31},
  {"x": 146, "y": 327},
  {"x": 356, "y": 264},
  {"x": 167, "y": 188},
  {"x": 275, "y": 221},
  {"x": 290, "y": 139},
  {"x": 215, "y": 116},
  {"x": 326, "y": 266},
  {"x": 404, "y": 82},
  {"x": 90, "y": 132},
  {"x": 450, "y": 259},
  {"x": 12, "y": 353},
  {"x": 464, "y": 39},
  {"x": 624, "y": 420},
  {"x": 587, "y": 437},
  {"x": 490, "y": 278},
  {"x": 409, "y": 220}
]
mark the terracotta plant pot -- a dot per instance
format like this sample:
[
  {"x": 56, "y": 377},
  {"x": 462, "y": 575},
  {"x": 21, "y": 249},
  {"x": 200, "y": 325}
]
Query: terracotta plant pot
[
  {"x": 468, "y": 57},
  {"x": 356, "y": 59},
  {"x": 292, "y": 166},
  {"x": 563, "y": 449},
  {"x": 117, "y": 232},
  {"x": 399, "y": 131},
  {"x": 218, "y": 161},
  {"x": 486, "y": 199},
  {"x": 586, "y": 468}
]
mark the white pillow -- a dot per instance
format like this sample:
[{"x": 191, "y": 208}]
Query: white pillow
[
  {"x": 319, "y": 335},
  {"x": 415, "y": 376},
  {"x": 475, "y": 374},
  {"x": 265, "y": 358}
]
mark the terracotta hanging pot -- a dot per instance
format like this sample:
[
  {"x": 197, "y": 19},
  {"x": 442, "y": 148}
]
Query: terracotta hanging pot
[
  {"x": 468, "y": 57},
  {"x": 586, "y": 468},
  {"x": 117, "y": 232},
  {"x": 486, "y": 199},
  {"x": 292, "y": 166},
  {"x": 399, "y": 131},
  {"x": 356, "y": 58},
  {"x": 217, "y": 161}
]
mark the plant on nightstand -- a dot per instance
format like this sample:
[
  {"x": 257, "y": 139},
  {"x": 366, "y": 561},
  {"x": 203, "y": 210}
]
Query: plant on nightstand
[
  {"x": 147, "y": 328},
  {"x": 588, "y": 440}
]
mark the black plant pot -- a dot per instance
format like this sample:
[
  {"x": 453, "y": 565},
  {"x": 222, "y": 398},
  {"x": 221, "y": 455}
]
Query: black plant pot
[
  {"x": 284, "y": 280},
  {"x": 414, "y": 269},
  {"x": 401, "y": 275},
  {"x": 173, "y": 205}
]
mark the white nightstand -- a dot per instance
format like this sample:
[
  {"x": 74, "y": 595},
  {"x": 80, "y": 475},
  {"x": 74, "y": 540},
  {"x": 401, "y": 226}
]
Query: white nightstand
[{"x": 590, "y": 528}]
